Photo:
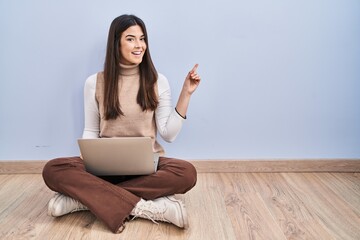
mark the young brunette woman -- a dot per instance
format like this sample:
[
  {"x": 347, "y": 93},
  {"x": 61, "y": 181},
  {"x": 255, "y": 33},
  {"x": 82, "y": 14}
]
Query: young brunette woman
[{"x": 129, "y": 98}]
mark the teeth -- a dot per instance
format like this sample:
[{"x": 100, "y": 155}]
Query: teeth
[{"x": 137, "y": 53}]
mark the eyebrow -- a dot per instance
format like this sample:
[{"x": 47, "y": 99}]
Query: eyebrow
[{"x": 133, "y": 35}]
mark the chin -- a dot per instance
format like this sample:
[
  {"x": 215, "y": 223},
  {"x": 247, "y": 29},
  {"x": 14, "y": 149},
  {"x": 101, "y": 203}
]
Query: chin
[{"x": 137, "y": 62}]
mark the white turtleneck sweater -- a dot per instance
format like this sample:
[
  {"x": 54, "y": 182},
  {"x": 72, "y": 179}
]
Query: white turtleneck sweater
[{"x": 168, "y": 121}]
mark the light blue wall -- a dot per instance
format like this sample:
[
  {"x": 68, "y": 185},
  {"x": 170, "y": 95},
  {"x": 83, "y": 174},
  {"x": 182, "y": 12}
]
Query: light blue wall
[{"x": 281, "y": 79}]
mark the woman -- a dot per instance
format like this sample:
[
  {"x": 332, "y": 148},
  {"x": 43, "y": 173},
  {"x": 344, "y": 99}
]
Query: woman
[{"x": 129, "y": 98}]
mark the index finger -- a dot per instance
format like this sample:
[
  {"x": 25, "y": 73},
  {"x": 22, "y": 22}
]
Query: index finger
[{"x": 194, "y": 68}]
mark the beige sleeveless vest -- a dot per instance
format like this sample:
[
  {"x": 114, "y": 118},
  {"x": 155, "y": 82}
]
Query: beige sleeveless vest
[{"x": 135, "y": 122}]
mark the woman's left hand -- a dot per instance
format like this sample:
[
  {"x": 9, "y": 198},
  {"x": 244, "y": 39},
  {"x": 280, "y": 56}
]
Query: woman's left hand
[{"x": 192, "y": 80}]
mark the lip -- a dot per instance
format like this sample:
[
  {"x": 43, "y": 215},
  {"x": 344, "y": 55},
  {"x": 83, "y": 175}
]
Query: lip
[{"x": 137, "y": 53}]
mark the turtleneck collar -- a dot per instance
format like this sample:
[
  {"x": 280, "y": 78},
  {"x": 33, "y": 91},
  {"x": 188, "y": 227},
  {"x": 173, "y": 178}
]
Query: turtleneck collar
[{"x": 128, "y": 70}]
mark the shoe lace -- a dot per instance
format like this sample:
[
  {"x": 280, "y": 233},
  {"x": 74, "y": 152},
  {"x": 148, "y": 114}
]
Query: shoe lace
[
  {"x": 151, "y": 211},
  {"x": 76, "y": 205}
]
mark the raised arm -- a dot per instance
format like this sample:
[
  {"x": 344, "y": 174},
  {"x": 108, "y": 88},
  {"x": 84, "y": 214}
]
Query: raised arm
[
  {"x": 191, "y": 83},
  {"x": 169, "y": 120}
]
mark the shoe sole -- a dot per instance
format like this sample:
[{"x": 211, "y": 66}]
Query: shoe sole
[{"x": 182, "y": 209}]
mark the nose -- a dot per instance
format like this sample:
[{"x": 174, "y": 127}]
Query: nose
[{"x": 137, "y": 44}]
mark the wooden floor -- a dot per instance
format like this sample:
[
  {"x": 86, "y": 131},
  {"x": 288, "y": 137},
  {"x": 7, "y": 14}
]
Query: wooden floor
[{"x": 221, "y": 206}]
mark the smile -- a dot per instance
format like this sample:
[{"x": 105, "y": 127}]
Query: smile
[{"x": 137, "y": 53}]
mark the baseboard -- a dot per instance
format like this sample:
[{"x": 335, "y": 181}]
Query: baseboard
[
  {"x": 227, "y": 166},
  {"x": 22, "y": 167},
  {"x": 289, "y": 165}
]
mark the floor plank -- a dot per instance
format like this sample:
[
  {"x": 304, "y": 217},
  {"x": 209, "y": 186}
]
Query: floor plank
[
  {"x": 221, "y": 206},
  {"x": 208, "y": 212},
  {"x": 250, "y": 217},
  {"x": 293, "y": 216},
  {"x": 347, "y": 194},
  {"x": 328, "y": 208}
]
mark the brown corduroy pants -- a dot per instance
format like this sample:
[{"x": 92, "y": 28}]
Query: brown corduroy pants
[{"x": 111, "y": 199}]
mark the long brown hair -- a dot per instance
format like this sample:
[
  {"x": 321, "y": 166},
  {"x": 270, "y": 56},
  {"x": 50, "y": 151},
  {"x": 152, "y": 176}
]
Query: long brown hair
[{"x": 146, "y": 96}]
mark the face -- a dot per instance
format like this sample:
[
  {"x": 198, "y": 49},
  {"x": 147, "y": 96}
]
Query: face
[{"x": 132, "y": 46}]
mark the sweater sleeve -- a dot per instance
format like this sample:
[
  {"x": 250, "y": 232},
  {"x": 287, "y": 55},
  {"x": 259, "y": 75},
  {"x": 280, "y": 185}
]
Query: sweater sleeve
[
  {"x": 91, "y": 109},
  {"x": 168, "y": 121}
]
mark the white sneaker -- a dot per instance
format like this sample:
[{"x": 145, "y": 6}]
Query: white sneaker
[
  {"x": 165, "y": 209},
  {"x": 60, "y": 205}
]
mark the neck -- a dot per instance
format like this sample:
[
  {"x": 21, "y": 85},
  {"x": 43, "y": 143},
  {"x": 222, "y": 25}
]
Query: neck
[{"x": 128, "y": 70}]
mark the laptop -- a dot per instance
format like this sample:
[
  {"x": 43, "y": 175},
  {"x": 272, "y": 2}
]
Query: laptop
[{"x": 119, "y": 156}]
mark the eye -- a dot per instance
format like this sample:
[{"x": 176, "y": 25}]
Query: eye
[
  {"x": 142, "y": 39},
  {"x": 130, "y": 39}
]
